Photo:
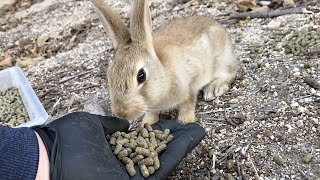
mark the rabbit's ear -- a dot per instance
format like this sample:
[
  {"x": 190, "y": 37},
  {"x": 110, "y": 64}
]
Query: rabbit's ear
[
  {"x": 140, "y": 23},
  {"x": 112, "y": 23}
]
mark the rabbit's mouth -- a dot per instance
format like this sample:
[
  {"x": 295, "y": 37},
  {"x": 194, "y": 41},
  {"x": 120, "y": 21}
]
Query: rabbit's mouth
[{"x": 129, "y": 114}]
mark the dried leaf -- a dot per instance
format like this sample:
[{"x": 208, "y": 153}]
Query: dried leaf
[
  {"x": 27, "y": 61},
  {"x": 7, "y": 61},
  {"x": 287, "y": 3},
  {"x": 42, "y": 40},
  {"x": 305, "y": 11},
  {"x": 70, "y": 101},
  {"x": 244, "y": 5},
  {"x": 260, "y": 9}
]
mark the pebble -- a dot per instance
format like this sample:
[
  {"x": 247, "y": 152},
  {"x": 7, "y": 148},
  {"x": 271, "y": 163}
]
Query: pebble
[
  {"x": 295, "y": 69},
  {"x": 296, "y": 74},
  {"x": 313, "y": 91},
  {"x": 279, "y": 160},
  {"x": 267, "y": 65},
  {"x": 307, "y": 158},
  {"x": 302, "y": 109},
  {"x": 264, "y": 154},
  {"x": 273, "y": 24},
  {"x": 230, "y": 164},
  {"x": 299, "y": 123},
  {"x": 229, "y": 176},
  {"x": 294, "y": 104},
  {"x": 315, "y": 120},
  {"x": 211, "y": 153},
  {"x": 267, "y": 133}
]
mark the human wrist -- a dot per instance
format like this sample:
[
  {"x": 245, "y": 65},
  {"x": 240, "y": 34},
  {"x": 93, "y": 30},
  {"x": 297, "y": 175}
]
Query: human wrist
[{"x": 43, "y": 165}]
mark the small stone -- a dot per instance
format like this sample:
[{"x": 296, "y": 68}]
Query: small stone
[
  {"x": 234, "y": 101},
  {"x": 229, "y": 176},
  {"x": 307, "y": 158},
  {"x": 279, "y": 160},
  {"x": 211, "y": 153},
  {"x": 307, "y": 65},
  {"x": 267, "y": 65},
  {"x": 296, "y": 74},
  {"x": 289, "y": 127},
  {"x": 264, "y": 154},
  {"x": 302, "y": 109},
  {"x": 295, "y": 69},
  {"x": 246, "y": 61},
  {"x": 273, "y": 24},
  {"x": 230, "y": 164},
  {"x": 294, "y": 104},
  {"x": 299, "y": 123},
  {"x": 315, "y": 120},
  {"x": 267, "y": 133}
]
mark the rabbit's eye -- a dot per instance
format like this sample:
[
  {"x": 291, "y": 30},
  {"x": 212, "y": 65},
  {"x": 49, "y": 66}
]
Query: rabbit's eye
[{"x": 141, "y": 77}]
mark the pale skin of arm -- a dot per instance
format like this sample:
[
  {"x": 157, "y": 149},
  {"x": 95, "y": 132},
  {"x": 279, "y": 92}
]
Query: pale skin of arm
[{"x": 43, "y": 166}]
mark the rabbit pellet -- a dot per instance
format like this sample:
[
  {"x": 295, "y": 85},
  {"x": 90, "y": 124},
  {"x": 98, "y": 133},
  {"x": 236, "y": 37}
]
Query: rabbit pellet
[
  {"x": 12, "y": 109},
  {"x": 299, "y": 42},
  {"x": 141, "y": 147}
]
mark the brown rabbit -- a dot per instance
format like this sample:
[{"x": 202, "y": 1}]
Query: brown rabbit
[{"x": 165, "y": 69}]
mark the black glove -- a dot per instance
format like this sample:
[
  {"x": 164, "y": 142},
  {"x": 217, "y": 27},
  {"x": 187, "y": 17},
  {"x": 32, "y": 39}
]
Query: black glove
[{"x": 78, "y": 149}]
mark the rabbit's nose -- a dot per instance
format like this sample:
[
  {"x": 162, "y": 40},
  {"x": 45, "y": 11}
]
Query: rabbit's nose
[{"x": 122, "y": 113}]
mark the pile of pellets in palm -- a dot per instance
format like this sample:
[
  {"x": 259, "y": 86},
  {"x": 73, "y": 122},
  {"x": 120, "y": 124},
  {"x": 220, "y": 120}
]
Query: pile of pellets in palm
[
  {"x": 12, "y": 109},
  {"x": 141, "y": 147}
]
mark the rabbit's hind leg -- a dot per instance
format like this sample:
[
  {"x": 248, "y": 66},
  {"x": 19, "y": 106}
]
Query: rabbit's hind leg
[{"x": 224, "y": 75}]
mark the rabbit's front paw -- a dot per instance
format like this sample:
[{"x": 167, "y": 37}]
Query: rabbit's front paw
[
  {"x": 150, "y": 118},
  {"x": 187, "y": 117},
  {"x": 215, "y": 89}
]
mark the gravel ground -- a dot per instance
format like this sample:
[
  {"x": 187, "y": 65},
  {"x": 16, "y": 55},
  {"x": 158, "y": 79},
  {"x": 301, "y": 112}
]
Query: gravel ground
[{"x": 266, "y": 126}]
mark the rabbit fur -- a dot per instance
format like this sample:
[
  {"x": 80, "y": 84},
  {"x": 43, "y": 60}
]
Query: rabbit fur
[{"x": 166, "y": 68}]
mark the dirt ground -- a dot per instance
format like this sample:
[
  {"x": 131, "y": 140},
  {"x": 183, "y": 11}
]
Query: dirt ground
[{"x": 265, "y": 127}]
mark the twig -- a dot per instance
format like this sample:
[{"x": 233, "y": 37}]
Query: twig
[
  {"x": 269, "y": 14},
  {"x": 243, "y": 174},
  {"x": 65, "y": 79},
  {"x": 45, "y": 93},
  {"x": 267, "y": 117},
  {"x": 55, "y": 105},
  {"x": 303, "y": 174},
  {"x": 301, "y": 97},
  {"x": 214, "y": 119},
  {"x": 216, "y": 176},
  {"x": 211, "y": 111},
  {"x": 190, "y": 3},
  {"x": 227, "y": 153},
  {"x": 249, "y": 129},
  {"x": 240, "y": 176},
  {"x": 213, "y": 167},
  {"x": 229, "y": 120},
  {"x": 254, "y": 168},
  {"x": 312, "y": 82},
  {"x": 314, "y": 49},
  {"x": 87, "y": 87}
]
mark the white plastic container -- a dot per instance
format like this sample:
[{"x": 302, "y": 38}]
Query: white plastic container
[{"x": 14, "y": 77}]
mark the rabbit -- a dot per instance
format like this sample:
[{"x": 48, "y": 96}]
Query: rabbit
[{"x": 159, "y": 70}]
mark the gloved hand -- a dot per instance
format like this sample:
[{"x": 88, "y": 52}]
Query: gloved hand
[{"x": 78, "y": 149}]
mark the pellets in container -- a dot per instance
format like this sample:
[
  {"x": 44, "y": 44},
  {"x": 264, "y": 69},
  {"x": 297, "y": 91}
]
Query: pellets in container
[{"x": 12, "y": 110}]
